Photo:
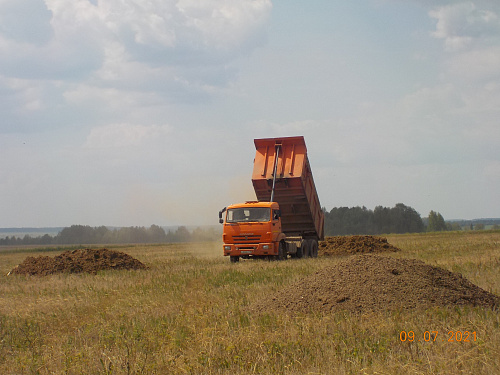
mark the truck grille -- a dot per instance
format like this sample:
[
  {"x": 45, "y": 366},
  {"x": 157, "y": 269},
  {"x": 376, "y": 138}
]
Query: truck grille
[{"x": 246, "y": 239}]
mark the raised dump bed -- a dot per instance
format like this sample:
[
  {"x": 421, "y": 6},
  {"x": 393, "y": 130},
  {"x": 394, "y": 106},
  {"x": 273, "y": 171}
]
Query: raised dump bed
[{"x": 294, "y": 189}]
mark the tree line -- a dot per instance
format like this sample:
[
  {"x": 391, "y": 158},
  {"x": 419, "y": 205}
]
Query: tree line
[
  {"x": 84, "y": 234},
  {"x": 382, "y": 220},
  {"x": 360, "y": 220}
]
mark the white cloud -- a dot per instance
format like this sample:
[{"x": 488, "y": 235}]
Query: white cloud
[
  {"x": 70, "y": 46},
  {"x": 174, "y": 46},
  {"x": 27, "y": 95},
  {"x": 430, "y": 101},
  {"x": 32, "y": 25},
  {"x": 120, "y": 57},
  {"x": 460, "y": 25},
  {"x": 224, "y": 24},
  {"x": 469, "y": 109},
  {"x": 124, "y": 135},
  {"x": 481, "y": 65},
  {"x": 147, "y": 22},
  {"x": 107, "y": 99}
]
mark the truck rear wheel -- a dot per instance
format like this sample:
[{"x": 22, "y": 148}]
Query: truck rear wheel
[
  {"x": 313, "y": 248},
  {"x": 234, "y": 259},
  {"x": 305, "y": 248}
]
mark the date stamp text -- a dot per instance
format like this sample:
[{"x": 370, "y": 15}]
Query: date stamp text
[{"x": 432, "y": 336}]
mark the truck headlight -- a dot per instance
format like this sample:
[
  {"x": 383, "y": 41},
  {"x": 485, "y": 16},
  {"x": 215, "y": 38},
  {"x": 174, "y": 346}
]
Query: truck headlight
[
  {"x": 227, "y": 248},
  {"x": 265, "y": 247}
]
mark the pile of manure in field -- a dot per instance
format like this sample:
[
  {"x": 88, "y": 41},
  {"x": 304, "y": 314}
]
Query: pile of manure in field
[
  {"x": 343, "y": 245},
  {"x": 371, "y": 283},
  {"x": 77, "y": 261}
]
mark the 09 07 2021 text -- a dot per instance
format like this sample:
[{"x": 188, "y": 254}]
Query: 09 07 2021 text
[{"x": 432, "y": 336}]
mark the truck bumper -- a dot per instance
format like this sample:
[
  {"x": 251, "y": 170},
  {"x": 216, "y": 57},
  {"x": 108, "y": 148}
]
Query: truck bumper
[{"x": 250, "y": 249}]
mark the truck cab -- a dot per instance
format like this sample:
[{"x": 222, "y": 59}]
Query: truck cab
[{"x": 252, "y": 229}]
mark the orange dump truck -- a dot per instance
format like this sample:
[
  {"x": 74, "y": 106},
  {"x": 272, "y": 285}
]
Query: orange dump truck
[{"x": 287, "y": 218}]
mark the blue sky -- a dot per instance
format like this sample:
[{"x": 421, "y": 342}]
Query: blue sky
[{"x": 128, "y": 112}]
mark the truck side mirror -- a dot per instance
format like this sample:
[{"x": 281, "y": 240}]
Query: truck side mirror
[{"x": 221, "y": 220}]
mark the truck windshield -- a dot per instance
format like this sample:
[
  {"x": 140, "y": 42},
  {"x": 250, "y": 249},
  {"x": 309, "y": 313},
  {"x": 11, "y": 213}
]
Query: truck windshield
[{"x": 237, "y": 215}]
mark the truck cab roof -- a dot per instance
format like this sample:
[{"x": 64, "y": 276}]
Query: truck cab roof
[{"x": 255, "y": 204}]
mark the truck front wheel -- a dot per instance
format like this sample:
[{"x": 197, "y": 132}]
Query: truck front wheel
[
  {"x": 234, "y": 259},
  {"x": 282, "y": 251}
]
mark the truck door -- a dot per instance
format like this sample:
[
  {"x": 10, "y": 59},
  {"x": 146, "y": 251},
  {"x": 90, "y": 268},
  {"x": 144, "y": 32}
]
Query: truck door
[{"x": 276, "y": 226}]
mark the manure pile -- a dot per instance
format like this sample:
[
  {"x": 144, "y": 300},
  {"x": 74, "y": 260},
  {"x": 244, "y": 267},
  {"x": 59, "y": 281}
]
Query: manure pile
[
  {"x": 77, "y": 261},
  {"x": 343, "y": 245},
  {"x": 365, "y": 283}
]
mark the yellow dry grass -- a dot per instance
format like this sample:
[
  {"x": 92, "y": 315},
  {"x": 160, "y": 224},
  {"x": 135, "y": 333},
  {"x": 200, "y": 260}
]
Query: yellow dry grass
[{"x": 186, "y": 315}]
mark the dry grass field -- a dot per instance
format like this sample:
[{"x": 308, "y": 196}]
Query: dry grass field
[{"x": 187, "y": 314}]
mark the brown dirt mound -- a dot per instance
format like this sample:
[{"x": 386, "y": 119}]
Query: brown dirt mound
[
  {"x": 342, "y": 245},
  {"x": 76, "y": 261},
  {"x": 365, "y": 283}
]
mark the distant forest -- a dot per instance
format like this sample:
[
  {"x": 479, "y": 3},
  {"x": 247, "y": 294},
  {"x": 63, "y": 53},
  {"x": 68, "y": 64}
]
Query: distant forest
[
  {"x": 84, "y": 234},
  {"x": 339, "y": 221},
  {"x": 398, "y": 219},
  {"x": 360, "y": 220}
]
